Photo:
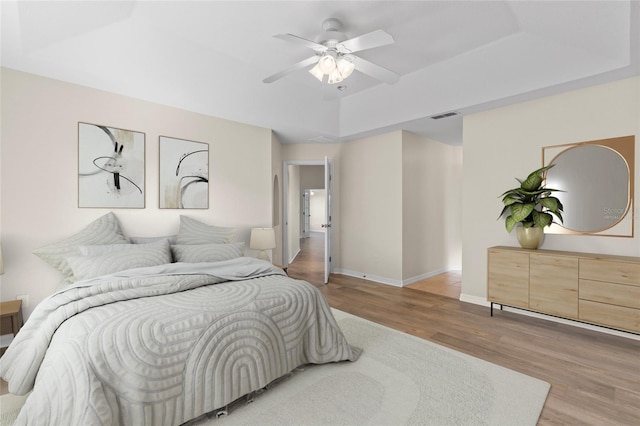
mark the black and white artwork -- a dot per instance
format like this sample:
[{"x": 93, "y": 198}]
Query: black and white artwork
[
  {"x": 110, "y": 167},
  {"x": 184, "y": 174}
]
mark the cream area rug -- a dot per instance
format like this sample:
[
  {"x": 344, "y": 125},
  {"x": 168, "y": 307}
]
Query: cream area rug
[{"x": 398, "y": 380}]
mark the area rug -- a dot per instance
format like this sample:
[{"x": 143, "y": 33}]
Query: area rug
[
  {"x": 398, "y": 380},
  {"x": 10, "y": 407}
]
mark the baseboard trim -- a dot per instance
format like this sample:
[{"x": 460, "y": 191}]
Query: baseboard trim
[
  {"x": 369, "y": 277},
  {"x": 481, "y": 301},
  {"x": 424, "y": 276},
  {"x": 294, "y": 256},
  {"x": 389, "y": 281}
]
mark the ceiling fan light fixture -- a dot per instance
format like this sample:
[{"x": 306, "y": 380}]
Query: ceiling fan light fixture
[
  {"x": 345, "y": 66},
  {"x": 315, "y": 71},
  {"x": 335, "y": 77},
  {"x": 327, "y": 62}
]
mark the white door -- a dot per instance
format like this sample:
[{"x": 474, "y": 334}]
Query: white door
[{"x": 327, "y": 234}]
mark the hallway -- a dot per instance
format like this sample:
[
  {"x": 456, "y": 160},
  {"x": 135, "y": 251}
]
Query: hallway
[{"x": 309, "y": 263}]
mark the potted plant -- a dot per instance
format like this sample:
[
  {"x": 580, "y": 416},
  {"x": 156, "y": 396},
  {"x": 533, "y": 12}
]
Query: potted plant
[{"x": 532, "y": 206}]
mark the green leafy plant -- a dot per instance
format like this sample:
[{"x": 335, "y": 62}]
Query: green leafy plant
[{"x": 531, "y": 204}]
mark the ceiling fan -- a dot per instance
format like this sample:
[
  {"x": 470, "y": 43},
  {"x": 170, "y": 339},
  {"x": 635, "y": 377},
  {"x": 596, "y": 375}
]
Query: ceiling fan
[{"x": 334, "y": 58}]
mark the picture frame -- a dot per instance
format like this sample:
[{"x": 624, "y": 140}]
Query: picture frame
[
  {"x": 184, "y": 174},
  {"x": 111, "y": 167}
]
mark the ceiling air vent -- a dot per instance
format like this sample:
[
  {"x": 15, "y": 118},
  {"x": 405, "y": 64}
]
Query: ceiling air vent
[{"x": 444, "y": 115}]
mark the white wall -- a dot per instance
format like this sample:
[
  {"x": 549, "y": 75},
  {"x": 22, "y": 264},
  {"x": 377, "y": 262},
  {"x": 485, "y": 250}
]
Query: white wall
[
  {"x": 317, "y": 210},
  {"x": 39, "y": 171},
  {"x": 505, "y": 143}
]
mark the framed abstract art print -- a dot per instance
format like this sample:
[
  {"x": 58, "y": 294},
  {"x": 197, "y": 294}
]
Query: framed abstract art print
[
  {"x": 184, "y": 174},
  {"x": 110, "y": 167}
]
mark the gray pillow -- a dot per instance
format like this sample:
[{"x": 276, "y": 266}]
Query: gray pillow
[
  {"x": 206, "y": 252},
  {"x": 85, "y": 267},
  {"x": 111, "y": 248},
  {"x": 147, "y": 240},
  {"x": 104, "y": 249},
  {"x": 104, "y": 230},
  {"x": 193, "y": 231}
]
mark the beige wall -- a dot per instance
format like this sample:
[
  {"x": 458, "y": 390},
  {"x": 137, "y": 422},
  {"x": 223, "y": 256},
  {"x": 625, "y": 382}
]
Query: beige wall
[
  {"x": 312, "y": 177},
  {"x": 432, "y": 207},
  {"x": 293, "y": 212},
  {"x": 371, "y": 207},
  {"x": 505, "y": 143},
  {"x": 373, "y": 179},
  {"x": 39, "y": 172},
  {"x": 386, "y": 226},
  {"x": 276, "y": 200}
]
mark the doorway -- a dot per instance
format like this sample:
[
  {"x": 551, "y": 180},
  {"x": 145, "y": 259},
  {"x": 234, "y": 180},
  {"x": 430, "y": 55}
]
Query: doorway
[{"x": 307, "y": 220}]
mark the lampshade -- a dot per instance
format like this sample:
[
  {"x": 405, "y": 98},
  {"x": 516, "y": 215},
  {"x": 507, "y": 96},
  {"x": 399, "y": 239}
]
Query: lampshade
[
  {"x": 315, "y": 71},
  {"x": 345, "y": 66},
  {"x": 263, "y": 239},
  {"x": 327, "y": 62}
]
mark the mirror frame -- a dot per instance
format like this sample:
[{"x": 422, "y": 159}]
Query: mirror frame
[{"x": 623, "y": 146}]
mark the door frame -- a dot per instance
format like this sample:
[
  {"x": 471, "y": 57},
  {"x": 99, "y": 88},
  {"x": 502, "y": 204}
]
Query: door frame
[{"x": 285, "y": 202}]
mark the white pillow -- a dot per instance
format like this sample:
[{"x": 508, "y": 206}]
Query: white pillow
[
  {"x": 104, "y": 230},
  {"x": 206, "y": 252},
  {"x": 193, "y": 231},
  {"x": 85, "y": 267}
]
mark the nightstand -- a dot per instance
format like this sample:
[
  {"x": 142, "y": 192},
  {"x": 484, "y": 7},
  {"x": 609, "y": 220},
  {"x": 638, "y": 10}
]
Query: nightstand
[{"x": 12, "y": 309}]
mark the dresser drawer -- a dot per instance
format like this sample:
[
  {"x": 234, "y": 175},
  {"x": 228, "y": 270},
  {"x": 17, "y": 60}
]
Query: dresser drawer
[
  {"x": 613, "y": 294},
  {"x": 619, "y": 317},
  {"x": 610, "y": 271}
]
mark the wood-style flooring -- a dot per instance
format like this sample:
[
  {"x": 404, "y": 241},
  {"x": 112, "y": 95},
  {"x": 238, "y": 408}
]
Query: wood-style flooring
[{"x": 594, "y": 376}]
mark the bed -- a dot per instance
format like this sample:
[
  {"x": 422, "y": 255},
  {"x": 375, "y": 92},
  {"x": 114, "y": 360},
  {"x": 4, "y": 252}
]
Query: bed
[{"x": 161, "y": 343}]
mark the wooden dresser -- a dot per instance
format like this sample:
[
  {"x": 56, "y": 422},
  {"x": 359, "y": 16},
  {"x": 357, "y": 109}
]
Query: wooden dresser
[{"x": 597, "y": 289}]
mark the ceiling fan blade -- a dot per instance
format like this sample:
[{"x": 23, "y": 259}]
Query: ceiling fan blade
[
  {"x": 295, "y": 67},
  {"x": 303, "y": 41},
  {"x": 370, "y": 40},
  {"x": 375, "y": 71}
]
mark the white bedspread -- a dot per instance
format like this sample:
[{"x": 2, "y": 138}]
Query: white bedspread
[{"x": 162, "y": 345}]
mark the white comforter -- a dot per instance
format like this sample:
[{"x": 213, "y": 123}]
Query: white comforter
[{"x": 161, "y": 345}]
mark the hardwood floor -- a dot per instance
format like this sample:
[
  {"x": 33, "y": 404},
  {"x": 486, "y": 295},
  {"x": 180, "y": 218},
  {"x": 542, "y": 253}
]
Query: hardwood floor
[
  {"x": 595, "y": 377},
  {"x": 446, "y": 284},
  {"x": 308, "y": 264}
]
